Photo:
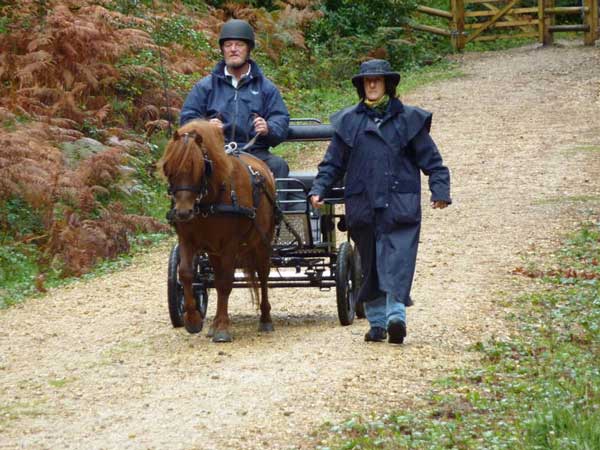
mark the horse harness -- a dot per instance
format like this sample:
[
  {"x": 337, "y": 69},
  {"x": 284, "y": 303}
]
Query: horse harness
[{"x": 209, "y": 209}]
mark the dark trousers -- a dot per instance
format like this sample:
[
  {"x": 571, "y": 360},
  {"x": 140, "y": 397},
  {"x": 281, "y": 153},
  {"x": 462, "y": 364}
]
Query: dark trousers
[
  {"x": 280, "y": 169},
  {"x": 277, "y": 164}
]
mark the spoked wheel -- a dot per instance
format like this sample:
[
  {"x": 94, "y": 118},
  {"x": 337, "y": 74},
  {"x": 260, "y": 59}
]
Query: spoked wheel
[
  {"x": 345, "y": 288},
  {"x": 175, "y": 289}
]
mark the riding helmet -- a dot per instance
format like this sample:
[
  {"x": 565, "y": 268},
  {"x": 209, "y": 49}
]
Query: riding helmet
[{"x": 239, "y": 30}]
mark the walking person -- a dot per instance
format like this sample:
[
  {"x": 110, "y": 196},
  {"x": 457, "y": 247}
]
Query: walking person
[
  {"x": 381, "y": 146},
  {"x": 237, "y": 97}
]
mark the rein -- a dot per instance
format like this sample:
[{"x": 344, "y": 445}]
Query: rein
[{"x": 208, "y": 209}]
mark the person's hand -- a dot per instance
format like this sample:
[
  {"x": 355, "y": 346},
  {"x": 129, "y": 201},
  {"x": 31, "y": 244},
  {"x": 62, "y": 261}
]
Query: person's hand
[
  {"x": 439, "y": 204},
  {"x": 216, "y": 122},
  {"x": 316, "y": 201},
  {"x": 261, "y": 126}
]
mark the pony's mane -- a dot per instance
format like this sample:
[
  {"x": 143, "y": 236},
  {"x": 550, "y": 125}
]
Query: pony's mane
[{"x": 184, "y": 155}]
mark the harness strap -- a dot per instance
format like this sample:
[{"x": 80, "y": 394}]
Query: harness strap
[
  {"x": 258, "y": 187},
  {"x": 280, "y": 217},
  {"x": 222, "y": 208}
]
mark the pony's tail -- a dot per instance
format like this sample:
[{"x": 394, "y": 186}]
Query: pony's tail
[{"x": 254, "y": 284}]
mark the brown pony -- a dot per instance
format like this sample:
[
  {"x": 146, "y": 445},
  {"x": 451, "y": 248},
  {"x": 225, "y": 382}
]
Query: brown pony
[{"x": 223, "y": 206}]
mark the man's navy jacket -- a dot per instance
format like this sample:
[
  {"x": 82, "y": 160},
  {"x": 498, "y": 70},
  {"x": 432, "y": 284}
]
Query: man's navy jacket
[{"x": 215, "y": 97}]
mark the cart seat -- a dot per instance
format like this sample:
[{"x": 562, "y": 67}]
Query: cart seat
[
  {"x": 306, "y": 177},
  {"x": 299, "y": 180}
]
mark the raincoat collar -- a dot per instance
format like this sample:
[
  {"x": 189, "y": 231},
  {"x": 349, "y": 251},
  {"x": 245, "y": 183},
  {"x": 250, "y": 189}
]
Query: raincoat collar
[{"x": 394, "y": 107}]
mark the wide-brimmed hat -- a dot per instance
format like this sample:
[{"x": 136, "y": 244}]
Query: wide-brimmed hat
[{"x": 376, "y": 68}]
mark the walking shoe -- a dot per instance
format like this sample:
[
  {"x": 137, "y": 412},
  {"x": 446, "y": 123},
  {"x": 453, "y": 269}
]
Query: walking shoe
[
  {"x": 396, "y": 331},
  {"x": 375, "y": 334}
]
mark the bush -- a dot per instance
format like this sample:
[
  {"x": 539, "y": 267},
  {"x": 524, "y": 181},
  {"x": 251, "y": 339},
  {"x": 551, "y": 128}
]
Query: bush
[{"x": 351, "y": 31}]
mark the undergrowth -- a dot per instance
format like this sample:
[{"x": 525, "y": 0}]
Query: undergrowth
[
  {"x": 539, "y": 389},
  {"x": 89, "y": 91}
]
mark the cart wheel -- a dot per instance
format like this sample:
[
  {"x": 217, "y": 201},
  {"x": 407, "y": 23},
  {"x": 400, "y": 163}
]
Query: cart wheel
[
  {"x": 200, "y": 290},
  {"x": 175, "y": 291},
  {"x": 357, "y": 277},
  {"x": 344, "y": 284}
]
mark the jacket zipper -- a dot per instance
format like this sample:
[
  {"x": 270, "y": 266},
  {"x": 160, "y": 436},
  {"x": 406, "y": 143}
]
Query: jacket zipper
[{"x": 235, "y": 115}]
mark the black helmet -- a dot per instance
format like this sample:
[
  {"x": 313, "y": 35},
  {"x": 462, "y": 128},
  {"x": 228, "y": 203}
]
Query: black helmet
[{"x": 237, "y": 29}]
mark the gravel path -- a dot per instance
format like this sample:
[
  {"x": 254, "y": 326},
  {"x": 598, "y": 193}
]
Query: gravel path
[{"x": 96, "y": 365}]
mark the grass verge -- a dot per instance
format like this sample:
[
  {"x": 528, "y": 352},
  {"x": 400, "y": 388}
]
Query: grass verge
[
  {"x": 20, "y": 273},
  {"x": 538, "y": 390}
]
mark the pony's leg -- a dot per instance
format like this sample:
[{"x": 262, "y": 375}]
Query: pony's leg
[
  {"x": 224, "y": 268},
  {"x": 192, "y": 320},
  {"x": 263, "y": 268}
]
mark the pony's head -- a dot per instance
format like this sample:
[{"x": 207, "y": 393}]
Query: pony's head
[{"x": 188, "y": 166}]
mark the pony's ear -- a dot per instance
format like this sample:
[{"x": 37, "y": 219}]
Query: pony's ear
[
  {"x": 162, "y": 166},
  {"x": 175, "y": 135}
]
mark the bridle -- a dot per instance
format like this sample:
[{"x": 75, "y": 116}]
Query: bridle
[{"x": 201, "y": 189}]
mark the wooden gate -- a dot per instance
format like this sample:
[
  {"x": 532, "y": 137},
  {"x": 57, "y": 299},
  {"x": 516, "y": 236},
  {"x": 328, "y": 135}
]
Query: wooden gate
[{"x": 486, "y": 20}]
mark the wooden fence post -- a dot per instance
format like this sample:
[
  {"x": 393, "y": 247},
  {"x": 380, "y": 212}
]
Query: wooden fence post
[
  {"x": 591, "y": 20},
  {"x": 546, "y": 20},
  {"x": 458, "y": 24},
  {"x": 595, "y": 19},
  {"x": 541, "y": 22}
]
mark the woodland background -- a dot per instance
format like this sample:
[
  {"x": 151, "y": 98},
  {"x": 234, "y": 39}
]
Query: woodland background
[{"x": 89, "y": 89}]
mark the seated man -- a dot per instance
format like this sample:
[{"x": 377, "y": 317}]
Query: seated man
[{"x": 237, "y": 97}]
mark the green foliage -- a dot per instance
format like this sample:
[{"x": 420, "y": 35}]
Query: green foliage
[
  {"x": 18, "y": 269},
  {"x": 198, "y": 6},
  {"x": 180, "y": 30},
  {"x": 129, "y": 7},
  {"x": 90, "y": 129},
  {"x": 10, "y": 124},
  {"x": 320, "y": 102},
  {"x": 146, "y": 192},
  {"x": 349, "y": 32},
  {"x": 347, "y": 18},
  {"x": 18, "y": 219},
  {"x": 4, "y": 23},
  {"x": 537, "y": 390},
  {"x": 16, "y": 256},
  {"x": 267, "y": 4},
  {"x": 141, "y": 72}
]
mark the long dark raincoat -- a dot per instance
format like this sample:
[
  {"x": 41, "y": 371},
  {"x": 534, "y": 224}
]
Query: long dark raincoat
[{"x": 382, "y": 161}]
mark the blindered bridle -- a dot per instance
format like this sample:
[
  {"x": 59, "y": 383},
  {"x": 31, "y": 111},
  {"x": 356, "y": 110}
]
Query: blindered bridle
[{"x": 201, "y": 189}]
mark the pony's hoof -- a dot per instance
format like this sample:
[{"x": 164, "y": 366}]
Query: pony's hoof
[
  {"x": 191, "y": 326},
  {"x": 266, "y": 327},
  {"x": 221, "y": 336},
  {"x": 211, "y": 332}
]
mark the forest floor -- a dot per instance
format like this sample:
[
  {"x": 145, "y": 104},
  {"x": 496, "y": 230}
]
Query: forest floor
[{"x": 97, "y": 365}]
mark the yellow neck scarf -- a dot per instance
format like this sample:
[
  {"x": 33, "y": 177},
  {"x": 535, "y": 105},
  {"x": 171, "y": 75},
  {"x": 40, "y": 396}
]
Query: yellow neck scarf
[{"x": 378, "y": 105}]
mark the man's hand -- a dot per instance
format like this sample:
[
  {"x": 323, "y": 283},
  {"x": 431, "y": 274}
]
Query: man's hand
[
  {"x": 316, "y": 201},
  {"x": 439, "y": 204},
  {"x": 261, "y": 126},
  {"x": 217, "y": 122}
]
